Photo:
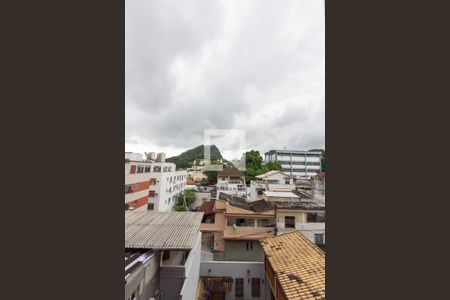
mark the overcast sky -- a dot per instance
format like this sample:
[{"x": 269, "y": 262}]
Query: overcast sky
[{"x": 208, "y": 64}]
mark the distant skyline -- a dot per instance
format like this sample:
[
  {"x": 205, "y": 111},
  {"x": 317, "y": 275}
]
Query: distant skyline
[{"x": 254, "y": 65}]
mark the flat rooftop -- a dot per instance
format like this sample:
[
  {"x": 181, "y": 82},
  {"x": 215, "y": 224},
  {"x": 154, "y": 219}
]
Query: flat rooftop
[
  {"x": 281, "y": 194},
  {"x": 161, "y": 230}
]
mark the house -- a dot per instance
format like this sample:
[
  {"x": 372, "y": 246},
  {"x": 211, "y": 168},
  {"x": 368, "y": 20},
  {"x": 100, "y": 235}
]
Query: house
[
  {"x": 162, "y": 254},
  {"x": 274, "y": 181},
  {"x": 305, "y": 215},
  {"x": 294, "y": 267},
  {"x": 232, "y": 182},
  {"x": 230, "y": 280},
  {"x": 237, "y": 226}
]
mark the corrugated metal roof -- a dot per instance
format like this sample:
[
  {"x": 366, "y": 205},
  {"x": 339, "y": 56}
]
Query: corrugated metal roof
[{"x": 161, "y": 230}]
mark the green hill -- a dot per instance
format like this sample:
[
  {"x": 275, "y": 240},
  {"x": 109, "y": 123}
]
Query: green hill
[{"x": 187, "y": 158}]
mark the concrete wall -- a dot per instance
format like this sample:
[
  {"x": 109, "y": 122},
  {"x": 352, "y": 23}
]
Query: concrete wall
[
  {"x": 192, "y": 269},
  {"x": 237, "y": 251},
  {"x": 145, "y": 280},
  {"x": 238, "y": 270},
  {"x": 308, "y": 229},
  {"x": 167, "y": 189},
  {"x": 200, "y": 197}
]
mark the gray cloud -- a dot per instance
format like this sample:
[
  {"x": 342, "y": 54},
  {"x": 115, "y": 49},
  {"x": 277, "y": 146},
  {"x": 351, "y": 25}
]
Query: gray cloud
[{"x": 207, "y": 64}]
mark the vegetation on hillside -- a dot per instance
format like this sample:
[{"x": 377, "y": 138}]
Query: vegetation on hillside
[{"x": 187, "y": 158}]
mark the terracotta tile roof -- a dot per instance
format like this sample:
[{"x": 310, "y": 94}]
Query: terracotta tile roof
[
  {"x": 236, "y": 201},
  {"x": 219, "y": 205},
  {"x": 248, "y": 233},
  {"x": 190, "y": 181},
  {"x": 207, "y": 207},
  {"x": 237, "y": 211},
  {"x": 234, "y": 173},
  {"x": 299, "y": 265}
]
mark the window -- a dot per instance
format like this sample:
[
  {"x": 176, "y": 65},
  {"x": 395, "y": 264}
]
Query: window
[
  {"x": 249, "y": 245},
  {"x": 147, "y": 169},
  {"x": 286, "y": 181},
  {"x": 152, "y": 181},
  {"x": 140, "y": 169},
  {"x": 319, "y": 239},
  {"x": 156, "y": 169},
  {"x": 151, "y": 206},
  {"x": 151, "y": 193},
  {"x": 239, "y": 287},
  {"x": 289, "y": 222},
  {"x": 166, "y": 255},
  {"x": 133, "y": 169},
  {"x": 256, "y": 287},
  {"x": 127, "y": 188},
  {"x": 315, "y": 217}
]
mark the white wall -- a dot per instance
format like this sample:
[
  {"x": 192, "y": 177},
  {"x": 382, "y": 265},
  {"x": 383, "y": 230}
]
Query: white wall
[
  {"x": 237, "y": 269},
  {"x": 167, "y": 189},
  {"x": 192, "y": 267}
]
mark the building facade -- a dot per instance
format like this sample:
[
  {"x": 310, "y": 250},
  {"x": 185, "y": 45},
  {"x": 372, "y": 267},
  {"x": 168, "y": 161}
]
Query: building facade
[
  {"x": 152, "y": 185},
  {"x": 275, "y": 181},
  {"x": 232, "y": 182},
  {"x": 303, "y": 164},
  {"x": 165, "y": 185},
  {"x": 137, "y": 184}
]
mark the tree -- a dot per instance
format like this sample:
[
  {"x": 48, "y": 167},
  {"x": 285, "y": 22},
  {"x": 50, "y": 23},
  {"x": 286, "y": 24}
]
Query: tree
[
  {"x": 254, "y": 166},
  {"x": 188, "y": 197},
  {"x": 212, "y": 177}
]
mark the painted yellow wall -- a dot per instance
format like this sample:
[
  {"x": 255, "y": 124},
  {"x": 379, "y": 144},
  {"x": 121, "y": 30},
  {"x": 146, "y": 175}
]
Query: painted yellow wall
[{"x": 300, "y": 217}]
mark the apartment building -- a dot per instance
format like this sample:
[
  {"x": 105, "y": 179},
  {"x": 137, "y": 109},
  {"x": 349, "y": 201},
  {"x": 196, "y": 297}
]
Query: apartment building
[
  {"x": 152, "y": 185},
  {"x": 306, "y": 217},
  {"x": 137, "y": 184},
  {"x": 233, "y": 227},
  {"x": 274, "y": 181},
  {"x": 162, "y": 255},
  {"x": 303, "y": 164},
  {"x": 165, "y": 185},
  {"x": 232, "y": 182}
]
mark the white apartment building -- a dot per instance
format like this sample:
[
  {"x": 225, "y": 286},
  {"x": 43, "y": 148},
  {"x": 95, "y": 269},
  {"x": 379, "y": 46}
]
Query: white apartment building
[
  {"x": 152, "y": 185},
  {"x": 231, "y": 182},
  {"x": 303, "y": 164},
  {"x": 273, "y": 181},
  {"x": 165, "y": 185}
]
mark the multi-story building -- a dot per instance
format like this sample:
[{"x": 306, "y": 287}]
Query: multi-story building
[
  {"x": 161, "y": 157},
  {"x": 274, "y": 181},
  {"x": 151, "y": 185},
  {"x": 162, "y": 259},
  {"x": 232, "y": 227},
  {"x": 232, "y": 182},
  {"x": 165, "y": 185},
  {"x": 304, "y": 214},
  {"x": 303, "y": 164},
  {"x": 137, "y": 184}
]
